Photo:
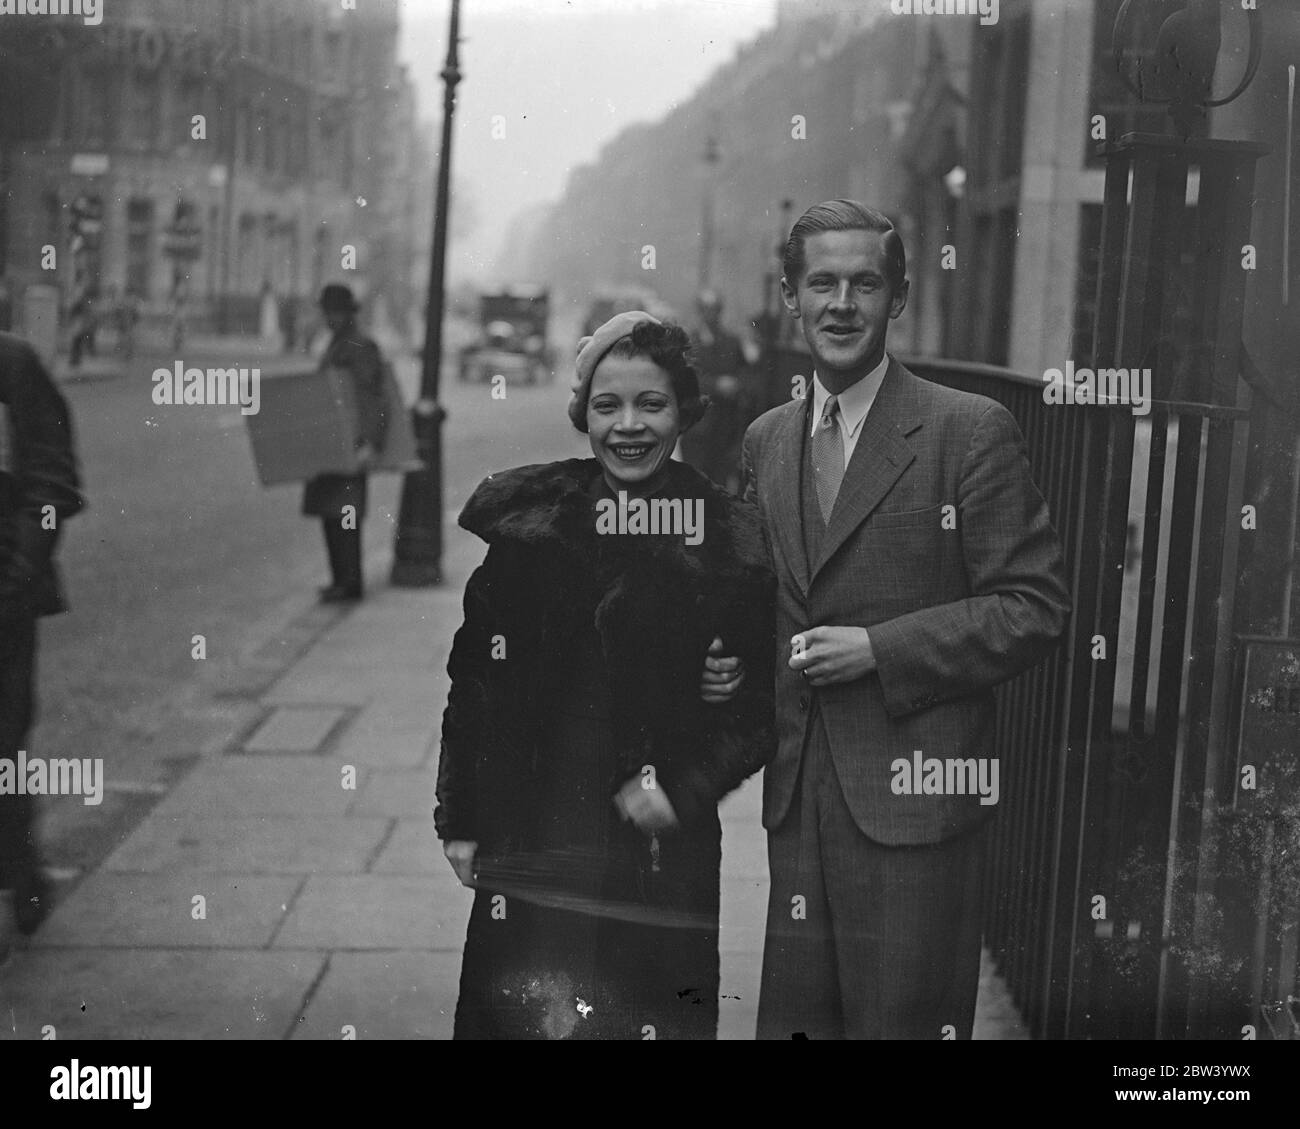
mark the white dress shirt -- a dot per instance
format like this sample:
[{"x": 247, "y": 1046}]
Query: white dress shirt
[{"x": 855, "y": 401}]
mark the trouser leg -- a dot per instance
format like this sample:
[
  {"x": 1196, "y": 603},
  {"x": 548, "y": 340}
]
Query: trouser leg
[
  {"x": 344, "y": 549},
  {"x": 800, "y": 994},
  {"x": 907, "y": 924},
  {"x": 18, "y": 853}
]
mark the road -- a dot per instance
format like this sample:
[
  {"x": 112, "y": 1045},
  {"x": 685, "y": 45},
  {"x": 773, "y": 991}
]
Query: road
[{"x": 179, "y": 539}]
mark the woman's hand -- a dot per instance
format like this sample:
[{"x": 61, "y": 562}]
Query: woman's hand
[
  {"x": 645, "y": 805},
  {"x": 722, "y": 676},
  {"x": 460, "y": 853}
]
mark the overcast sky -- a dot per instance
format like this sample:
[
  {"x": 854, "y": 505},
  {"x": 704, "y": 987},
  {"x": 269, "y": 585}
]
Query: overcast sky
[{"x": 566, "y": 75}]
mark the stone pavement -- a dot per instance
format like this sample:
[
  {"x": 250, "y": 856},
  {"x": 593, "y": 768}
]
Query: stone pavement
[{"x": 262, "y": 897}]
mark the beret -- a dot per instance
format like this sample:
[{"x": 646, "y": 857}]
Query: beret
[{"x": 592, "y": 349}]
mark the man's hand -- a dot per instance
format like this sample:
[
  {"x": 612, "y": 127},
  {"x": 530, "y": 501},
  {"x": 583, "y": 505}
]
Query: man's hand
[
  {"x": 722, "y": 676},
  {"x": 460, "y": 853},
  {"x": 830, "y": 655},
  {"x": 647, "y": 807}
]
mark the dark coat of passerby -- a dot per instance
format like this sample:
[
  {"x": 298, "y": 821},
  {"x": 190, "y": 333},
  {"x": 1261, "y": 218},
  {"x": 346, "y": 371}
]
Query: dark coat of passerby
[
  {"x": 580, "y": 770},
  {"x": 713, "y": 448},
  {"x": 339, "y": 500},
  {"x": 289, "y": 322},
  {"x": 39, "y": 490}
]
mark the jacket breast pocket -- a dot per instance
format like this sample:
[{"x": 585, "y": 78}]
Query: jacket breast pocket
[
  {"x": 929, "y": 519},
  {"x": 904, "y": 553}
]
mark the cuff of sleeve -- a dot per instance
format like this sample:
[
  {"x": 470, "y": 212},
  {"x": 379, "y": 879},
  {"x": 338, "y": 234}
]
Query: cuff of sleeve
[
  {"x": 903, "y": 692},
  {"x": 449, "y": 829}
]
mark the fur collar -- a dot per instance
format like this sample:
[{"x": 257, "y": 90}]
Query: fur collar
[{"x": 552, "y": 504}]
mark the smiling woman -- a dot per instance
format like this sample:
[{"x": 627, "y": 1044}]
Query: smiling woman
[
  {"x": 636, "y": 393},
  {"x": 581, "y": 767}
]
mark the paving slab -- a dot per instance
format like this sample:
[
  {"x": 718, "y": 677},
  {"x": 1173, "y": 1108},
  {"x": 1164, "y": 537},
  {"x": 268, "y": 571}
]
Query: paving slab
[
  {"x": 201, "y": 730},
  {"x": 313, "y": 682},
  {"x": 413, "y": 848},
  {"x": 375, "y": 744},
  {"x": 742, "y": 975},
  {"x": 412, "y": 710},
  {"x": 154, "y": 993},
  {"x": 294, "y": 729},
  {"x": 384, "y": 996},
  {"x": 252, "y": 845},
  {"x": 743, "y": 918},
  {"x": 315, "y": 685},
  {"x": 744, "y": 850},
  {"x": 155, "y": 911},
  {"x": 376, "y": 911},
  {"x": 404, "y": 644},
  {"x": 239, "y": 785},
  {"x": 402, "y": 794}
]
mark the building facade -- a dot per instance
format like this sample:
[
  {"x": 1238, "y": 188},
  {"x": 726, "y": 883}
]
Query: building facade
[{"x": 227, "y": 148}]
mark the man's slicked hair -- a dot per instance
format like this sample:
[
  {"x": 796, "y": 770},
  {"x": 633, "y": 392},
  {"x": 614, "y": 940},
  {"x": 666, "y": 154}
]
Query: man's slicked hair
[{"x": 844, "y": 215}]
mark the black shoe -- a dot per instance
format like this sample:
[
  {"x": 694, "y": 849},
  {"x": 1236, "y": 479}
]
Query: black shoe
[
  {"x": 31, "y": 900},
  {"x": 340, "y": 594}
]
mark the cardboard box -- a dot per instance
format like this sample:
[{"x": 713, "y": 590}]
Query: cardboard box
[{"x": 305, "y": 427}]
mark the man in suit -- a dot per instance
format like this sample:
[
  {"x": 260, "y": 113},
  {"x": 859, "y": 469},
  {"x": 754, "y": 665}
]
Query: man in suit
[{"x": 917, "y": 568}]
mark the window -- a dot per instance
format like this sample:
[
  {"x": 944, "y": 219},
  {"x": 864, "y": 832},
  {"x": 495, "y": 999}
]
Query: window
[
  {"x": 245, "y": 131},
  {"x": 93, "y": 111},
  {"x": 139, "y": 246},
  {"x": 192, "y": 100},
  {"x": 215, "y": 246},
  {"x": 52, "y": 211},
  {"x": 142, "y": 124}
]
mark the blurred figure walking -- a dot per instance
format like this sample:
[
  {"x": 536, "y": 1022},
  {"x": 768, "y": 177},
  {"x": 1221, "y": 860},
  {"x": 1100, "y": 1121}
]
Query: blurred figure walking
[
  {"x": 39, "y": 490},
  {"x": 339, "y": 500},
  {"x": 713, "y": 447}
]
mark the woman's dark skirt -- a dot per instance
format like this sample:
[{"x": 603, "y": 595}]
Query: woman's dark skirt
[{"x": 593, "y": 932}]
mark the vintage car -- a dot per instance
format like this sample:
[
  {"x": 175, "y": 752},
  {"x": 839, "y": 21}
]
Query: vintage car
[{"x": 511, "y": 340}]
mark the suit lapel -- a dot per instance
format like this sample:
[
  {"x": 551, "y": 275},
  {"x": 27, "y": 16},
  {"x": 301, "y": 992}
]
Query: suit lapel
[
  {"x": 880, "y": 457},
  {"x": 787, "y": 519}
]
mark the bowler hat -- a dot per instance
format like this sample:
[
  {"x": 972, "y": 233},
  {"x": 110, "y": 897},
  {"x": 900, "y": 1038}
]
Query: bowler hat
[{"x": 336, "y": 296}]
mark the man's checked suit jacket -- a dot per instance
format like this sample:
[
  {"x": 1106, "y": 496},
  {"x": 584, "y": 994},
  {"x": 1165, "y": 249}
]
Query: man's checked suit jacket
[{"x": 950, "y": 612}]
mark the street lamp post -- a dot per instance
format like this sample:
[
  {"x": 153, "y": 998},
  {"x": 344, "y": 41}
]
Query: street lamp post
[
  {"x": 417, "y": 552},
  {"x": 710, "y": 162}
]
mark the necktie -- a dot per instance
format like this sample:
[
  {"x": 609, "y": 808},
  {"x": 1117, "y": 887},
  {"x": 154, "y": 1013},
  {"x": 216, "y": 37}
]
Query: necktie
[{"x": 828, "y": 457}]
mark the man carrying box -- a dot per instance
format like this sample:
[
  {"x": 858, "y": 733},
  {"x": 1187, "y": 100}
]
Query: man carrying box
[{"x": 339, "y": 500}]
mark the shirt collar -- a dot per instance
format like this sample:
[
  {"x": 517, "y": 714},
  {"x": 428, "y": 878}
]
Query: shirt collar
[{"x": 855, "y": 401}]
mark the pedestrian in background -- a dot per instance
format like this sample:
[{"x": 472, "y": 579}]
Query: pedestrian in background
[
  {"x": 39, "y": 490},
  {"x": 713, "y": 448},
  {"x": 339, "y": 500}
]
